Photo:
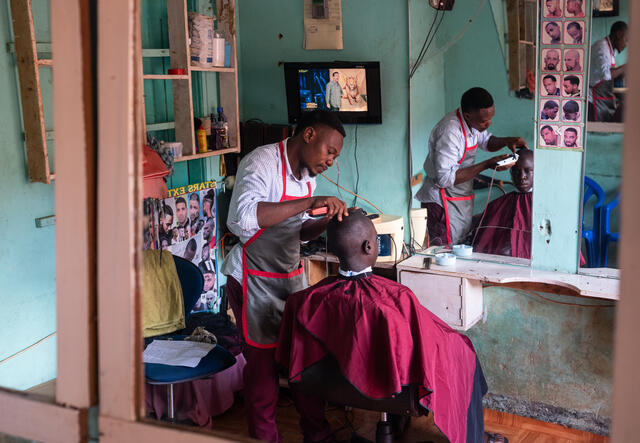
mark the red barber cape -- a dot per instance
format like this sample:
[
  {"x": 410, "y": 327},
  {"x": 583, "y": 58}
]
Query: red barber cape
[
  {"x": 506, "y": 227},
  {"x": 382, "y": 338}
]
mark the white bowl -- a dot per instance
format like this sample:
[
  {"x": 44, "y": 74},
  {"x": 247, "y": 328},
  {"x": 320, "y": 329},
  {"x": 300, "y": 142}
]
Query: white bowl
[
  {"x": 445, "y": 259},
  {"x": 463, "y": 250}
]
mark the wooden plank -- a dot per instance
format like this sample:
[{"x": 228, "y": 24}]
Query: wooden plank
[
  {"x": 606, "y": 127},
  {"x": 75, "y": 204},
  {"x": 229, "y": 82},
  {"x": 33, "y": 417},
  {"x": 155, "y": 53},
  {"x": 164, "y": 77},
  {"x": 182, "y": 96},
  {"x": 626, "y": 383},
  {"x": 119, "y": 219},
  {"x": 513, "y": 30},
  {"x": 160, "y": 126},
  {"x": 213, "y": 69},
  {"x": 32, "y": 112},
  {"x": 120, "y": 431},
  {"x": 45, "y": 62},
  {"x": 207, "y": 154}
]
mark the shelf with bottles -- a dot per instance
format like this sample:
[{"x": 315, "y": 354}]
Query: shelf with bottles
[{"x": 230, "y": 150}]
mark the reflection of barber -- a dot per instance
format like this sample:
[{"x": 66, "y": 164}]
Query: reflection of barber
[
  {"x": 333, "y": 93},
  {"x": 603, "y": 71},
  {"x": 447, "y": 192}
]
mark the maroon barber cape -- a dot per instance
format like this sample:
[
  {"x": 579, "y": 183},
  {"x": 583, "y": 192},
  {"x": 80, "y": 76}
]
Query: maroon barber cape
[
  {"x": 506, "y": 226},
  {"x": 382, "y": 338}
]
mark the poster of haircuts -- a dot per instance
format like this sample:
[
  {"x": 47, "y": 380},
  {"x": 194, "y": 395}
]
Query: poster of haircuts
[
  {"x": 563, "y": 60},
  {"x": 185, "y": 224}
]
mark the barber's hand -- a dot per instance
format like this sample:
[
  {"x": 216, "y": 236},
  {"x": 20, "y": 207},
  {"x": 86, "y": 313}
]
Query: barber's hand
[
  {"x": 335, "y": 206},
  {"x": 492, "y": 162},
  {"x": 513, "y": 143}
]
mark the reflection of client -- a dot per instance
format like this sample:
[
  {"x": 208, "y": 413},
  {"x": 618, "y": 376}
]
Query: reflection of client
[
  {"x": 506, "y": 223},
  {"x": 549, "y": 136},
  {"x": 333, "y": 93},
  {"x": 571, "y": 138}
]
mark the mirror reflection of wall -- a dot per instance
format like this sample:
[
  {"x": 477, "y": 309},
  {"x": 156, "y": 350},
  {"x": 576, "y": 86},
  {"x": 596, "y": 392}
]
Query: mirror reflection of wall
[{"x": 604, "y": 139}]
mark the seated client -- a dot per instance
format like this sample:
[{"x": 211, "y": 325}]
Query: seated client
[
  {"x": 381, "y": 337},
  {"x": 506, "y": 223}
]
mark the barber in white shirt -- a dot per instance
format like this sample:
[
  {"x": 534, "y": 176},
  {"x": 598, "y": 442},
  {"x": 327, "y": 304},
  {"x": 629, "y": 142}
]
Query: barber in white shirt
[
  {"x": 447, "y": 191},
  {"x": 603, "y": 71},
  {"x": 274, "y": 189}
]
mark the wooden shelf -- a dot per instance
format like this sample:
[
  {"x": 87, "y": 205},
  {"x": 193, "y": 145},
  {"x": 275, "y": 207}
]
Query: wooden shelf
[
  {"x": 212, "y": 69},
  {"x": 207, "y": 154},
  {"x": 605, "y": 127},
  {"x": 165, "y": 77}
]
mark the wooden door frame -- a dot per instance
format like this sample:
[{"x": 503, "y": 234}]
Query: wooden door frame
[{"x": 65, "y": 419}]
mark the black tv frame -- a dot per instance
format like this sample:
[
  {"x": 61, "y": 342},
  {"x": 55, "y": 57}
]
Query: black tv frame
[{"x": 373, "y": 114}]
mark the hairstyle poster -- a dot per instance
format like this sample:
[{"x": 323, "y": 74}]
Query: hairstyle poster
[
  {"x": 185, "y": 224},
  {"x": 563, "y": 59}
]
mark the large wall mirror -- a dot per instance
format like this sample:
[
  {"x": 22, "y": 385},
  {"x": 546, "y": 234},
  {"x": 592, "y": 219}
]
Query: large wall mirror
[{"x": 604, "y": 136}]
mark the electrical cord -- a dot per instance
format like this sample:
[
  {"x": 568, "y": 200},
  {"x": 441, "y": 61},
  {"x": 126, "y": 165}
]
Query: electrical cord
[
  {"x": 424, "y": 45},
  {"x": 352, "y": 193},
  {"x": 355, "y": 157},
  {"x": 422, "y": 55},
  {"x": 4, "y": 360},
  {"x": 485, "y": 207}
]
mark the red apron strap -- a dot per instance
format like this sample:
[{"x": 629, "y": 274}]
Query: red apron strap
[
  {"x": 446, "y": 215},
  {"x": 284, "y": 196},
  {"x": 466, "y": 148}
]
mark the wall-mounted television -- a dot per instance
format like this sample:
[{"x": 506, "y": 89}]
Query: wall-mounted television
[{"x": 352, "y": 89}]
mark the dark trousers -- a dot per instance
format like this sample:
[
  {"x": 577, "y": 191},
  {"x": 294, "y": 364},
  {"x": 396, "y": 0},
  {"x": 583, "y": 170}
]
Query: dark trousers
[
  {"x": 436, "y": 224},
  {"x": 261, "y": 387}
]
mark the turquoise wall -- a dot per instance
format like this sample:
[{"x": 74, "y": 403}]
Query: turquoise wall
[
  {"x": 27, "y": 256},
  {"x": 371, "y": 32}
]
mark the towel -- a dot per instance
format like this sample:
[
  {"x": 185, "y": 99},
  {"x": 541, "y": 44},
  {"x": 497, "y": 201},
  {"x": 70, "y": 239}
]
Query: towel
[{"x": 162, "y": 304}]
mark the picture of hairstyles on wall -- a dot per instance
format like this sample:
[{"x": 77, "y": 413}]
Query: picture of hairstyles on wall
[
  {"x": 573, "y": 60},
  {"x": 549, "y": 135},
  {"x": 550, "y": 85},
  {"x": 575, "y": 8},
  {"x": 551, "y": 60},
  {"x": 552, "y": 33},
  {"x": 572, "y": 85},
  {"x": 552, "y": 8},
  {"x": 574, "y": 32},
  {"x": 571, "y": 111},
  {"x": 550, "y": 110},
  {"x": 571, "y": 137}
]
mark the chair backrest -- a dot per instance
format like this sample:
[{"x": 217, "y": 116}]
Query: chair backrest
[
  {"x": 592, "y": 188},
  {"x": 606, "y": 216},
  {"x": 192, "y": 283}
]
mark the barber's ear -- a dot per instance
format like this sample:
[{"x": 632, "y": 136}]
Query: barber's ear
[
  {"x": 308, "y": 134},
  {"x": 367, "y": 247}
]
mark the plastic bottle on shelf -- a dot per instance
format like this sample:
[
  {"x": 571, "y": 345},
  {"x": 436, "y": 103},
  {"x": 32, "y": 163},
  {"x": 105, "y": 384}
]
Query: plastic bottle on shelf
[
  {"x": 222, "y": 129},
  {"x": 202, "y": 140}
]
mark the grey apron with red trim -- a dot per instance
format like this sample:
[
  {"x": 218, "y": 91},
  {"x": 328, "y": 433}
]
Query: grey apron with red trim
[
  {"x": 603, "y": 104},
  {"x": 271, "y": 271},
  {"x": 457, "y": 200}
]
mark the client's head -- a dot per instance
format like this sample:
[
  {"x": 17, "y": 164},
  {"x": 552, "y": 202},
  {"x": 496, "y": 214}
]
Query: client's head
[
  {"x": 522, "y": 171},
  {"x": 353, "y": 240}
]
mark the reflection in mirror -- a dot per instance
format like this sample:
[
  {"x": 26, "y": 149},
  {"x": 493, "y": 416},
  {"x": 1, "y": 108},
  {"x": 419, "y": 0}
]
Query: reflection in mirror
[
  {"x": 27, "y": 281},
  {"x": 606, "y": 93}
]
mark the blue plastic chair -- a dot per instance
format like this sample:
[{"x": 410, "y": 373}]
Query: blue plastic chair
[
  {"x": 606, "y": 235},
  {"x": 592, "y": 236},
  {"x": 218, "y": 359}
]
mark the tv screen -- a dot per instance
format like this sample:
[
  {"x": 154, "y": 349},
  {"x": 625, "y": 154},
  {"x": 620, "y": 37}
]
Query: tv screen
[{"x": 350, "y": 89}]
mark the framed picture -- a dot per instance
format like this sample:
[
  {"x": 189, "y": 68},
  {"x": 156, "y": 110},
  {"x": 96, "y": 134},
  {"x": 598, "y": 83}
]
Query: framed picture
[
  {"x": 574, "y": 32},
  {"x": 552, "y": 34},
  {"x": 571, "y": 137},
  {"x": 606, "y": 8},
  {"x": 573, "y": 60},
  {"x": 549, "y": 136}
]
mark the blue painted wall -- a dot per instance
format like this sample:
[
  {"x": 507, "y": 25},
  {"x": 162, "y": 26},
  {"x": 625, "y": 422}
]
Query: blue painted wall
[{"x": 27, "y": 256}]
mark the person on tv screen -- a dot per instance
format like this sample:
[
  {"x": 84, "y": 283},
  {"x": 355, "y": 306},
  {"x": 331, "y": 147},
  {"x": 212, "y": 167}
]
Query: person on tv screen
[{"x": 333, "y": 94}]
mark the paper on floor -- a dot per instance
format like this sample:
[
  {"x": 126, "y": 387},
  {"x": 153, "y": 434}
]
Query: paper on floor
[{"x": 176, "y": 352}]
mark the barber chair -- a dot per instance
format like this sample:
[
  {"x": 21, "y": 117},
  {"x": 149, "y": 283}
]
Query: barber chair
[
  {"x": 325, "y": 380},
  {"x": 217, "y": 360},
  {"x": 607, "y": 236},
  {"x": 592, "y": 236}
]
